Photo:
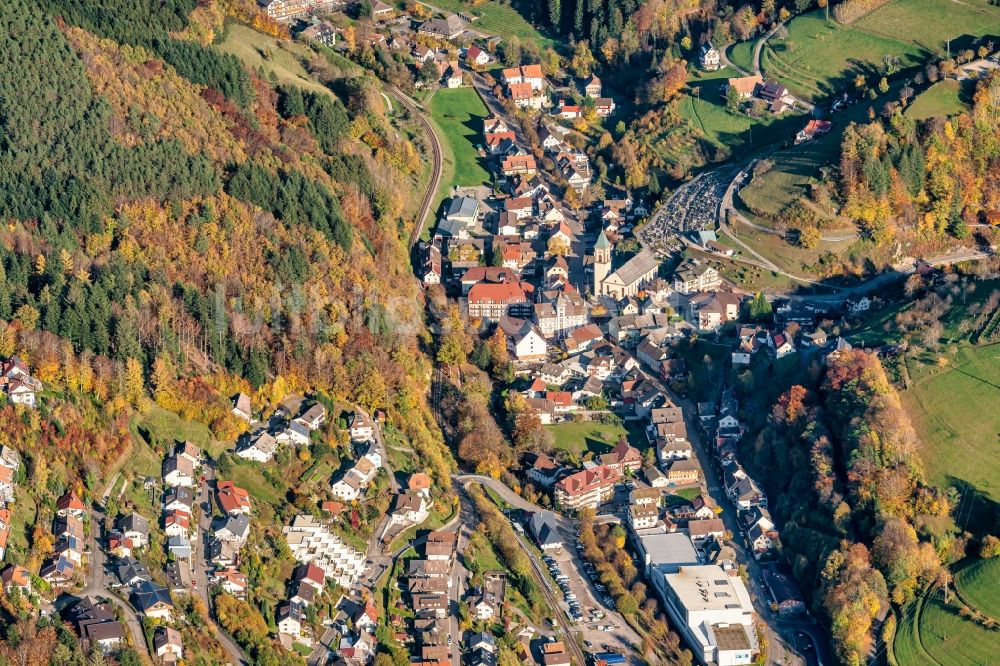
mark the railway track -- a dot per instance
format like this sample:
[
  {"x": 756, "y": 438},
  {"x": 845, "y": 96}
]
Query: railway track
[{"x": 406, "y": 102}]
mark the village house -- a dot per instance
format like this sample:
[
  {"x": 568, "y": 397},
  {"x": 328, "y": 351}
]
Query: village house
[
  {"x": 762, "y": 541},
  {"x": 449, "y": 27},
  {"x": 430, "y": 271},
  {"x": 313, "y": 417},
  {"x": 525, "y": 341},
  {"x": 709, "y": 57},
  {"x": 440, "y": 546},
  {"x": 290, "y": 618},
  {"x": 16, "y": 381},
  {"x": 16, "y": 576},
  {"x": 525, "y": 96},
  {"x": 777, "y": 96},
  {"x": 168, "y": 645},
  {"x": 518, "y": 164},
  {"x": 95, "y": 624},
  {"x": 623, "y": 458},
  {"x": 7, "y": 485},
  {"x": 567, "y": 111},
  {"x": 604, "y": 107},
  {"x": 260, "y": 447},
  {"x": 542, "y": 469},
  {"x": 242, "y": 407},
  {"x": 231, "y": 580},
  {"x": 70, "y": 504},
  {"x": 232, "y": 499},
  {"x": 178, "y": 470},
  {"x": 702, "y": 529},
  {"x": 545, "y": 528},
  {"x": 707, "y": 312},
  {"x": 232, "y": 528},
  {"x": 476, "y": 56},
  {"x": 381, "y": 10},
  {"x": 176, "y": 523},
  {"x": 178, "y": 498},
  {"x": 746, "y": 86},
  {"x": 530, "y": 74},
  {"x": 813, "y": 128},
  {"x": 683, "y": 471},
  {"x": 361, "y": 428},
  {"x": 58, "y": 572},
  {"x": 409, "y": 509},
  {"x": 741, "y": 489},
  {"x": 643, "y": 517},
  {"x": 581, "y": 338},
  {"x": 153, "y": 600},
  {"x": 451, "y": 74},
  {"x": 592, "y": 86},
  {"x": 693, "y": 276},
  {"x": 321, "y": 32}
]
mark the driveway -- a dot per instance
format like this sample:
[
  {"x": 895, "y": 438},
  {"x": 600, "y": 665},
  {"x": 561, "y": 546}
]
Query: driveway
[{"x": 200, "y": 564}]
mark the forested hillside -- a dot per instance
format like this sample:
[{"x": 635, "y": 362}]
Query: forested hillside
[
  {"x": 936, "y": 177},
  {"x": 845, "y": 476},
  {"x": 167, "y": 207}
]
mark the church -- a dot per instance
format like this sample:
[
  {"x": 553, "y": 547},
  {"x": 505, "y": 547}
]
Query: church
[{"x": 636, "y": 273}]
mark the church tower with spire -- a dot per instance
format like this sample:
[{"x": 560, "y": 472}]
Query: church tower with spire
[{"x": 602, "y": 262}]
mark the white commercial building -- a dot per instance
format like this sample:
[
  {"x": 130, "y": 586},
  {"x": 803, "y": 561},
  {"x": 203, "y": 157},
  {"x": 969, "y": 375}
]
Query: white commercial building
[
  {"x": 714, "y": 612},
  {"x": 666, "y": 553}
]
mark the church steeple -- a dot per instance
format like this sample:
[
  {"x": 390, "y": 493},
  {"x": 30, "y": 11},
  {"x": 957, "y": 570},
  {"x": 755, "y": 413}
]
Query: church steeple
[{"x": 602, "y": 262}]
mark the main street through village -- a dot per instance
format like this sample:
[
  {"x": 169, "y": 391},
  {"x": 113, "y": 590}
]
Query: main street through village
[{"x": 697, "y": 205}]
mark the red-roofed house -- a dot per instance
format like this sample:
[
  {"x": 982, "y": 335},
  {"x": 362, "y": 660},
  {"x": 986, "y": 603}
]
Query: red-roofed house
[
  {"x": 525, "y": 97},
  {"x": 530, "y": 74},
  {"x": 70, "y": 504},
  {"x": 493, "y": 301},
  {"x": 232, "y": 499},
  {"x": 813, "y": 129},
  {"x": 311, "y": 574},
  {"x": 477, "y": 56},
  {"x": 519, "y": 164},
  {"x": 587, "y": 488},
  {"x": 623, "y": 457}
]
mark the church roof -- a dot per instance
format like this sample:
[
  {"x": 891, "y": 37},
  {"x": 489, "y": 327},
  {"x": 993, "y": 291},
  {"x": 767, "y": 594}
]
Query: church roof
[{"x": 602, "y": 242}]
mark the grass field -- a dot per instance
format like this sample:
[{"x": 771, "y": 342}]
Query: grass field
[
  {"x": 705, "y": 109},
  {"x": 796, "y": 168},
  {"x": 944, "y": 98},
  {"x": 583, "y": 436},
  {"x": 820, "y": 58},
  {"x": 258, "y": 50},
  {"x": 458, "y": 114},
  {"x": 790, "y": 258},
  {"x": 498, "y": 19},
  {"x": 251, "y": 478},
  {"x": 934, "y": 633},
  {"x": 929, "y": 23},
  {"x": 741, "y": 55},
  {"x": 978, "y": 584},
  {"x": 953, "y": 408},
  {"x": 579, "y": 437},
  {"x": 168, "y": 428}
]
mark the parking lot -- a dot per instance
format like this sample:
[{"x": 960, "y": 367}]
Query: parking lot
[{"x": 585, "y": 601}]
